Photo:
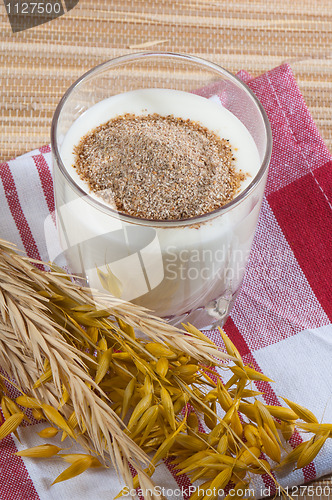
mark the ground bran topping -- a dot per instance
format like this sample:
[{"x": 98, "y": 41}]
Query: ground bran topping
[{"x": 158, "y": 167}]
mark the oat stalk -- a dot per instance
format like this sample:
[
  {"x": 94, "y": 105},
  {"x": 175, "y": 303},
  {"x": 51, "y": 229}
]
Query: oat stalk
[{"x": 38, "y": 326}]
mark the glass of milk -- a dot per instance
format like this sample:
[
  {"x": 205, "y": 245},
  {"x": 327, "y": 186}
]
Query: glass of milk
[{"x": 182, "y": 270}]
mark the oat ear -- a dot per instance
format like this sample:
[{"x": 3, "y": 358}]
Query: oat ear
[{"x": 81, "y": 347}]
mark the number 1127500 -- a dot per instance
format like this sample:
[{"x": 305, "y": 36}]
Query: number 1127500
[{"x": 34, "y": 8}]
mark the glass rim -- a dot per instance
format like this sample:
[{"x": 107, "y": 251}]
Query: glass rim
[{"x": 159, "y": 222}]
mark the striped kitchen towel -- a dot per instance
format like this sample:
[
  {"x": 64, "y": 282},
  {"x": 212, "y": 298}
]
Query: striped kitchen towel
[{"x": 281, "y": 322}]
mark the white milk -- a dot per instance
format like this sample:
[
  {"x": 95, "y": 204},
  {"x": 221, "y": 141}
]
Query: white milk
[{"x": 172, "y": 268}]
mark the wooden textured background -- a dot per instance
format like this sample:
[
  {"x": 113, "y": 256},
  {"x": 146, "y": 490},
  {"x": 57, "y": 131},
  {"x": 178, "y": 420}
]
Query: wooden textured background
[{"x": 38, "y": 65}]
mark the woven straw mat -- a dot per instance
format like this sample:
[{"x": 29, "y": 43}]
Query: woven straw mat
[{"x": 37, "y": 65}]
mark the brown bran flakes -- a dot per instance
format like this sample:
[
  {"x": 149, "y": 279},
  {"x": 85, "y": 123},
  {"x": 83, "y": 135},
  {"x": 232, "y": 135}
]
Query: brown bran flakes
[{"x": 158, "y": 167}]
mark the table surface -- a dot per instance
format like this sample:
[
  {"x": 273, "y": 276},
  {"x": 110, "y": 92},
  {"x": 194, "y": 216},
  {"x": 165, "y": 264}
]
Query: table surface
[{"x": 37, "y": 65}]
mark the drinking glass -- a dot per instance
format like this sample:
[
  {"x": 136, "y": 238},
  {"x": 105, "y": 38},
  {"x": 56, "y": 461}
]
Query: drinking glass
[{"x": 182, "y": 270}]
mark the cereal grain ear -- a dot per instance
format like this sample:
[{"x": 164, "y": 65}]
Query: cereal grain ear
[
  {"x": 60, "y": 334},
  {"x": 36, "y": 310}
]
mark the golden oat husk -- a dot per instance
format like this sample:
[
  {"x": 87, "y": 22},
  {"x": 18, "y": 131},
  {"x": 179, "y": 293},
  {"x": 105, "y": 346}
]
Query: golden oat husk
[
  {"x": 263, "y": 467},
  {"x": 222, "y": 445},
  {"x": 287, "y": 430},
  {"x": 192, "y": 459},
  {"x": 167, "y": 405},
  {"x": 103, "y": 365},
  {"x": 301, "y": 412},
  {"x": 234, "y": 462},
  {"x": 147, "y": 421},
  {"x": 210, "y": 417},
  {"x": 191, "y": 442},
  {"x": 73, "y": 457},
  {"x": 72, "y": 421},
  {"x": 127, "y": 395},
  {"x": 208, "y": 462},
  {"x": 147, "y": 387},
  {"x": 180, "y": 402},
  {"x": 210, "y": 458},
  {"x": 5, "y": 409},
  {"x": 162, "y": 367},
  {"x": 249, "y": 373},
  {"x": 250, "y": 456},
  {"x": 233, "y": 380},
  {"x": 93, "y": 333},
  {"x": 211, "y": 396},
  {"x": 54, "y": 416},
  {"x": 197, "y": 333},
  {"x": 236, "y": 424},
  {"x": 311, "y": 450},
  {"x": 122, "y": 356},
  {"x": 102, "y": 347},
  {"x": 230, "y": 348},
  {"x": 248, "y": 409},
  {"x": 219, "y": 482},
  {"x": 37, "y": 414},
  {"x": 246, "y": 393},
  {"x": 187, "y": 370},
  {"x": 270, "y": 445},
  {"x": 13, "y": 408},
  {"x": 224, "y": 398},
  {"x": 48, "y": 432},
  {"x": 240, "y": 388},
  {"x": 41, "y": 451},
  {"x": 64, "y": 398},
  {"x": 166, "y": 445},
  {"x": 27, "y": 402},
  {"x": 6, "y": 412},
  {"x": 315, "y": 428},
  {"x": 229, "y": 414},
  {"x": 251, "y": 434},
  {"x": 192, "y": 421},
  {"x": 142, "y": 406},
  {"x": 11, "y": 424},
  {"x": 204, "y": 472},
  {"x": 160, "y": 351},
  {"x": 267, "y": 419},
  {"x": 215, "y": 434},
  {"x": 129, "y": 330},
  {"x": 45, "y": 377},
  {"x": 293, "y": 455},
  {"x": 281, "y": 412},
  {"x": 79, "y": 466}
]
